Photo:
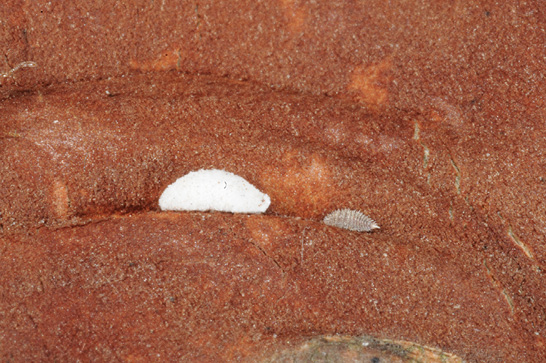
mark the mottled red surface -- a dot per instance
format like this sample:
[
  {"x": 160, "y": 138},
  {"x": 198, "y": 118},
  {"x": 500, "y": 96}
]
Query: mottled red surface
[
  {"x": 198, "y": 285},
  {"x": 427, "y": 116}
]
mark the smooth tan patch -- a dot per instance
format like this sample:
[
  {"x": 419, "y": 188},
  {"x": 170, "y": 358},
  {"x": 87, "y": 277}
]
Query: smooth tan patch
[
  {"x": 371, "y": 83},
  {"x": 59, "y": 199},
  {"x": 300, "y": 186},
  {"x": 166, "y": 60}
]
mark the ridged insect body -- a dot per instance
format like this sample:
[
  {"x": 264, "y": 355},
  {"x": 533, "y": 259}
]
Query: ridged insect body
[{"x": 350, "y": 219}]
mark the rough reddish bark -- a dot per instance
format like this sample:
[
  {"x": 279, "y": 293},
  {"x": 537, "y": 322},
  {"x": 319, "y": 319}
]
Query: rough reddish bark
[{"x": 426, "y": 116}]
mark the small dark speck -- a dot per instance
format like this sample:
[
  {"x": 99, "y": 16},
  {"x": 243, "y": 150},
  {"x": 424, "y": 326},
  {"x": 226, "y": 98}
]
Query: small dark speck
[
  {"x": 487, "y": 13},
  {"x": 375, "y": 360}
]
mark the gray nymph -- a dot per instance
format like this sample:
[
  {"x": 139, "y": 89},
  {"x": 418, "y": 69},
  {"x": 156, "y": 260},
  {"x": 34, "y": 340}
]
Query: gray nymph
[{"x": 350, "y": 219}]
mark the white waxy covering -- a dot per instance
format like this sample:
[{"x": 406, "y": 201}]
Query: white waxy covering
[{"x": 216, "y": 190}]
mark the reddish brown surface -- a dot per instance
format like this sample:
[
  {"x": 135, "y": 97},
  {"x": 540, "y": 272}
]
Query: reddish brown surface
[
  {"x": 427, "y": 117},
  {"x": 194, "y": 285}
]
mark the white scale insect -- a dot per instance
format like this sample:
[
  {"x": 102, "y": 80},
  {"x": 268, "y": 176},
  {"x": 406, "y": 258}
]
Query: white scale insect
[{"x": 216, "y": 190}]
